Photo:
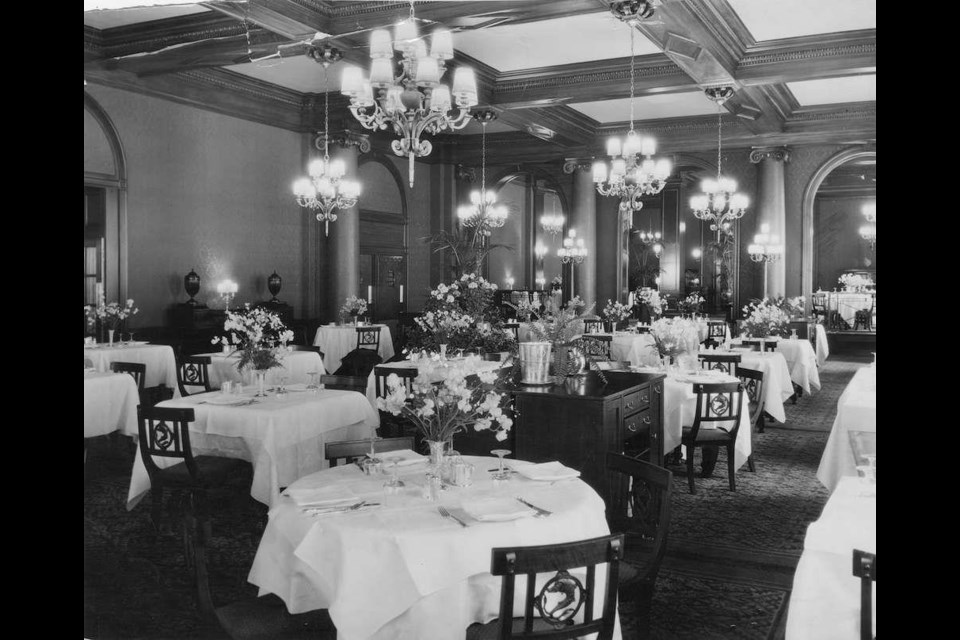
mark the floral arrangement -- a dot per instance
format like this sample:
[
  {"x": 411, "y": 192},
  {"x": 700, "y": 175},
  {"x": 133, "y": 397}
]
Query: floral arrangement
[
  {"x": 444, "y": 325},
  {"x": 675, "y": 336},
  {"x": 763, "y": 318},
  {"x": 353, "y": 306},
  {"x": 651, "y": 298},
  {"x": 690, "y": 304},
  {"x": 855, "y": 282},
  {"x": 616, "y": 312},
  {"x": 110, "y": 314},
  {"x": 790, "y": 306},
  {"x": 526, "y": 310},
  {"x": 560, "y": 325},
  {"x": 556, "y": 283},
  {"x": 258, "y": 335},
  {"x": 466, "y": 397},
  {"x": 471, "y": 294}
]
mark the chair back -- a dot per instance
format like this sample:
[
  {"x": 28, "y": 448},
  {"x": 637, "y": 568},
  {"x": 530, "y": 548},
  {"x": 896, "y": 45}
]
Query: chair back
[
  {"x": 136, "y": 369},
  {"x": 353, "y": 450},
  {"x": 368, "y": 338},
  {"x": 595, "y": 347},
  {"x": 592, "y": 325},
  {"x": 643, "y": 329},
  {"x": 756, "y": 345},
  {"x": 561, "y": 599},
  {"x": 359, "y": 362},
  {"x": 819, "y": 301},
  {"x": 165, "y": 433},
  {"x": 865, "y": 568},
  {"x": 193, "y": 371},
  {"x": 717, "y": 330},
  {"x": 718, "y": 404},
  {"x": 642, "y": 512},
  {"x": 514, "y": 328},
  {"x": 406, "y": 374},
  {"x": 727, "y": 362},
  {"x": 752, "y": 381},
  {"x": 306, "y": 347},
  {"x": 344, "y": 383}
]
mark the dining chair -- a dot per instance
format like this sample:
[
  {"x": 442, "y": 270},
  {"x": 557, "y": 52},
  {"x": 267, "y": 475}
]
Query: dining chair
[
  {"x": 752, "y": 381},
  {"x": 359, "y": 362},
  {"x": 642, "y": 328},
  {"x": 592, "y": 325},
  {"x": 266, "y": 618},
  {"x": 726, "y": 362},
  {"x": 554, "y": 610},
  {"x": 344, "y": 383},
  {"x": 352, "y": 450},
  {"x": 757, "y": 345},
  {"x": 716, "y": 334},
  {"x": 164, "y": 432},
  {"x": 135, "y": 369},
  {"x": 819, "y": 306},
  {"x": 193, "y": 371},
  {"x": 596, "y": 347},
  {"x": 864, "y": 317},
  {"x": 719, "y": 406},
  {"x": 368, "y": 338},
  {"x": 642, "y": 513},
  {"x": 514, "y": 328},
  {"x": 865, "y": 568}
]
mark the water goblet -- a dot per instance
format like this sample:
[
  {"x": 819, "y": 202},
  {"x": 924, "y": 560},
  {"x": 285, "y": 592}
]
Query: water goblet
[
  {"x": 281, "y": 392},
  {"x": 501, "y": 475},
  {"x": 313, "y": 386},
  {"x": 394, "y": 484}
]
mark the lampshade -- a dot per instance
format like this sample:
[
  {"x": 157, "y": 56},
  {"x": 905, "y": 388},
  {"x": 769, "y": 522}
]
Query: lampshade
[
  {"x": 739, "y": 201},
  {"x": 351, "y": 82},
  {"x": 663, "y": 169},
  {"x": 350, "y": 189},
  {"x": 442, "y": 45},
  {"x": 613, "y": 147},
  {"x": 336, "y": 169},
  {"x": 365, "y": 98},
  {"x": 632, "y": 145},
  {"x": 428, "y": 72},
  {"x": 464, "y": 84},
  {"x": 618, "y": 167},
  {"x": 599, "y": 172},
  {"x": 648, "y": 147},
  {"x": 304, "y": 188},
  {"x": 381, "y": 72},
  {"x": 405, "y": 34},
  {"x": 380, "y": 44},
  {"x": 440, "y": 98},
  {"x": 317, "y": 168},
  {"x": 393, "y": 102}
]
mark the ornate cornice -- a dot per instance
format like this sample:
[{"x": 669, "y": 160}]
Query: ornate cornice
[
  {"x": 834, "y": 51},
  {"x": 233, "y": 81},
  {"x": 856, "y": 112},
  {"x": 616, "y": 74},
  {"x": 779, "y": 154}
]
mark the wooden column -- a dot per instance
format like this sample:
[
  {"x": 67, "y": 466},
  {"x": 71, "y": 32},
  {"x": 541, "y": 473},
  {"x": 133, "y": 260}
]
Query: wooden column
[
  {"x": 583, "y": 218},
  {"x": 772, "y": 208}
]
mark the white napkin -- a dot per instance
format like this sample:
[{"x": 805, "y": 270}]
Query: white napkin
[
  {"x": 547, "y": 472},
  {"x": 226, "y": 399},
  {"x": 497, "y": 509},
  {"x": 408, "y": 457},
  {"x": 323, "y": 496}
]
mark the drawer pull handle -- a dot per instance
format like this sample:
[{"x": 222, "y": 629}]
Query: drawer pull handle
[
  {"x": 632, "y": 426},
  {"x": 630, "y": 405},
  {"x": 646, "y": 419},
  {"x": 644, "y": 398},
  {"x": 658, "y": 388}
]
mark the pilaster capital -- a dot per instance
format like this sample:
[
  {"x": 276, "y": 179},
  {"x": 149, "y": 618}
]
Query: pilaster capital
[
  {"x": 780, "y": 154},
  {"x": 344, "y": 139},
  {"x": 571, "y": 165}
]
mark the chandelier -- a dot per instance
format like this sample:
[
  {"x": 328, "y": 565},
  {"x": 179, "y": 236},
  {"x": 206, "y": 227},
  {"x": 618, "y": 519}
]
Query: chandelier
[
  {"x": 325, "y": 190},
  {"x": 572, "y": 249},
  {"x": 869, "y": 231},
  {"x": 483, "y": 211},
  {"x": 653, "y": 240},
  {"x": 766, "y": 246},
  {"x": 415, "y": 102},
  {"x": 633, "y": 171},
  {"x": 719, "y": 203},
  {"x": 553, "y": 222}
]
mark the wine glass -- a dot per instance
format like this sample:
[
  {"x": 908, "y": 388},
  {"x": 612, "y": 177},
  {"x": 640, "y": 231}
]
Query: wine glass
[
  {"x": 130, "y": 338},
  {"x": 501, "y": 474},
  {"x": 373, "y": 452},
  {"x": 313, "y": 381},
  {"x": 394, "y": 484},
  {"x": 281, "y": 392}
]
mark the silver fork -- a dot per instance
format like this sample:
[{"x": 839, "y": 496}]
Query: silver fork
[{"x": 446, "y": 514}]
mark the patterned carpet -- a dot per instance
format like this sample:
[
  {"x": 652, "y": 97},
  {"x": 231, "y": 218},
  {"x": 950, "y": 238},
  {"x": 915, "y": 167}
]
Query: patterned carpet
[{"x": 727, "y": 574}]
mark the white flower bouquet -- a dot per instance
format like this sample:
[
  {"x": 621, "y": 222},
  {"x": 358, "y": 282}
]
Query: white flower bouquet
[
  {"x": 855, "y": 282},
  {"x": 690, "y": 304},
  {"x": 675, "y": 336},
  {"x": 445, "y": 325},
  {"x": 616, "y": 312},
  {"x": 651, "y": 298},
  {"x": 465, "y": 397},
  {"x": 258, "y": 336},
  {"x": 353, "y": 306},
  {"x": 111, "y": 314},
  {"x": 763, "y": 318}
]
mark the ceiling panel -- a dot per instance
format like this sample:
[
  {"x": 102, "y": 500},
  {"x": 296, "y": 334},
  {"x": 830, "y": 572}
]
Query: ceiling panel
[
  {"x": 110, "y": 18},
  {"x": 669, "y": 105},
  {"x": 773, "y": 19},
  {"x": 299, "y": 73},
  {"x": 593, "y": 36},
  {"x": 835, "y": 90}
]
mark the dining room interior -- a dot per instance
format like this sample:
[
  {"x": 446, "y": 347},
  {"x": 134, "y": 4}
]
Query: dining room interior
[{"x": 480, "y": 319}]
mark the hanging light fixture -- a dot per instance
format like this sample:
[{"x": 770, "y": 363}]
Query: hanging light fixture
[
  {"x": 483, "y": 211},
  {"x": 633, "y": 172},
  {"x": 553, "y": 222},
  {"x": 652, "y": 240},
  {"x": 719, "y": 203},
  {"x": 325, "y": 191},
  {"x": 869, "y": 231},
  {"x": 415, "y": 102}
]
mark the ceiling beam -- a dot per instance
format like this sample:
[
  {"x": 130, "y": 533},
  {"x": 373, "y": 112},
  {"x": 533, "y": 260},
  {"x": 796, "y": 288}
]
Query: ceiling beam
[{"x": 809, "y": 58}]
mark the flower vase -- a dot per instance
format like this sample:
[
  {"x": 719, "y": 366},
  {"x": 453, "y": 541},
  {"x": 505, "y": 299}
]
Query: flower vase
[
  {"x": 110, "y": 333},
  {"x": 613, "y": 327},
  {"x": 443, "y": 354},
  {"x": 261, "y": 378},
  {"x": 435, "y": 463}
]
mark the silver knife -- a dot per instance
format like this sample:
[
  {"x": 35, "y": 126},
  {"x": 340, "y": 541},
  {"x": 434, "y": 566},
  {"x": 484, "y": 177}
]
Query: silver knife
[{"x": 541, "y": 513}]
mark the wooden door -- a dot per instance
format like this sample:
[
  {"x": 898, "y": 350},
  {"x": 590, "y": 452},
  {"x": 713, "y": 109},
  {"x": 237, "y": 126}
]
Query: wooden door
[{"x": 391, "y": 275}]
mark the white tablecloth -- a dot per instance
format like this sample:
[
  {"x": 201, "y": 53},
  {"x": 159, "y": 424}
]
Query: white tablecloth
[
  {"x": 283, "y": 439},
  {"x": 825, "y": 601},
  {"x": 402, "y": 570},
  {"x": 856, "y": 411},
  {"x": 296, "y": 365},
  {"x": 336, "y": 342},
  {"x": 109, "y": 404},
  {"x": 485, "y": 365},
  {"x": 159, "y": 358},
  {"x": 704, "y": 328},
  {"x": 823, "y": 347},
  {"x": 680, "y": 408},
  {"x": 801, "y": 363},
  {"x": 847, "y": 304}
]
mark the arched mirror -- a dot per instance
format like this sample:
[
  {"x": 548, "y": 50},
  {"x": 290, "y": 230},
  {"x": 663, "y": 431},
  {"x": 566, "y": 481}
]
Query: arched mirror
[{"x": 844, "y": 237}]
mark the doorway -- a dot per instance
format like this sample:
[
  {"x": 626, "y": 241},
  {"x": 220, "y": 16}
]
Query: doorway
[{"x": 383, "y": 280}]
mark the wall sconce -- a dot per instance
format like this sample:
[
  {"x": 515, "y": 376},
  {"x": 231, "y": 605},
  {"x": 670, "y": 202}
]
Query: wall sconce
[
  {"x": 227, "y": 290},
  {"x": 697, "y": 253}
]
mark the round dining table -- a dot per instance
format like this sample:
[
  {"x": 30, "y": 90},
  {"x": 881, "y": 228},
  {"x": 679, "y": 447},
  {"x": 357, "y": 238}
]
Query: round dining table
[{"x": 401, "y": 569}]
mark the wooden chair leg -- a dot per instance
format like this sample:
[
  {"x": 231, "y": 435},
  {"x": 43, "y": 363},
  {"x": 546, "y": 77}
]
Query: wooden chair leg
[
  {"x": 156, "y": 506},
  {"x": 731, "y": 471},
  {"x": 760, "y": 423},
  {"x": 750, "y": 463},
  {"x": 690, "y": 481}
]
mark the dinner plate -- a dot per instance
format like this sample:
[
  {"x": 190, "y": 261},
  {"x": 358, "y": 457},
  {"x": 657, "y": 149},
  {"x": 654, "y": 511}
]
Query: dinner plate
[{"x": 227, "y": 400}]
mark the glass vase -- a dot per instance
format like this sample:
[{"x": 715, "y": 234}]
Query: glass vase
[
  {"x": 260, "y": 375},
  {"x": 443, "y": 353},
  {"x": 110, "y": 333}
]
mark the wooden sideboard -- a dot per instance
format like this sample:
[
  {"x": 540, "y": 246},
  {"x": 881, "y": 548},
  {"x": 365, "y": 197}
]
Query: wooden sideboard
[{"x": 580, "y": 421}]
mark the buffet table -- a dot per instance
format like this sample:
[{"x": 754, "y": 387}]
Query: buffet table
[{"x": 401, "y": 570}]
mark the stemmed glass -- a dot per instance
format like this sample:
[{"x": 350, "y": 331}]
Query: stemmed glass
[
  {"x": 501, "y": 474},
  {"x": 394, "y": 484},
  {"x": 282, "y": 388},
  {"x": 373, "y": 452},
  {"x": 313, "y": 381}
]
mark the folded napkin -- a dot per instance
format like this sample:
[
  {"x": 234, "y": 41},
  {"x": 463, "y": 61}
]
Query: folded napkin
[
  {"x": 329, "y": 496},
  {"x": 547, "y": 472},
  {"x": 226, "y": 399},
  {"x": 408, "y": 457},
  {"x": 497, "y": 509}
]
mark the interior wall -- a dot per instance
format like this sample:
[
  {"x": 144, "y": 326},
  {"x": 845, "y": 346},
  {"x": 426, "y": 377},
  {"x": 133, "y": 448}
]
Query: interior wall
[
  {"x": 839, "y": 247},
  {"x": 509, "y": 262},
  {"x": 196, "y": 201}
]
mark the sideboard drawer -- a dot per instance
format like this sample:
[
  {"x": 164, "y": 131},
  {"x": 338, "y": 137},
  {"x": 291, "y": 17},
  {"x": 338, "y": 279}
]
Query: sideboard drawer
[
  {"x": 636, "y": 401},
  {"x": 636, "y": 424}
]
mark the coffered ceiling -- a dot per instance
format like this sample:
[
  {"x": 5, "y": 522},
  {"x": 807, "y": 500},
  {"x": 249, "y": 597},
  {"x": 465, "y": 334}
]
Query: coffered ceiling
[{"x": 557, "y": 73}]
